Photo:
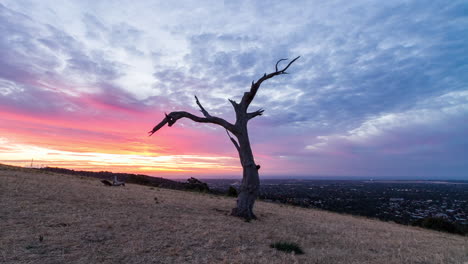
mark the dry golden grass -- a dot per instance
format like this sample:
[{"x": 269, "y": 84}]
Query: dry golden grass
[{"x": 82, "y": 221}]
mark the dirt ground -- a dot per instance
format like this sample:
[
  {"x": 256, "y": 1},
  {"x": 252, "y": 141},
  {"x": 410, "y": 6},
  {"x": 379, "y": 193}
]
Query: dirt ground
[{"x": 52, "y": 218}]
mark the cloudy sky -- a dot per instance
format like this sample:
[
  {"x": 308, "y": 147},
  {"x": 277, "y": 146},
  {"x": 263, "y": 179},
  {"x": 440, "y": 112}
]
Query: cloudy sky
[{"x": 380, "y": 90}]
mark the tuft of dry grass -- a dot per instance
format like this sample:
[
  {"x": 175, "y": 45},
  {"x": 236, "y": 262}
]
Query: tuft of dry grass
[{"x": 53, "y": 218}]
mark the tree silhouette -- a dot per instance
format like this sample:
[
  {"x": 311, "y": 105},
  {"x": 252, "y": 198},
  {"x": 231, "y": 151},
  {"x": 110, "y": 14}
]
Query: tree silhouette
[{"x": 250, "y": 180}]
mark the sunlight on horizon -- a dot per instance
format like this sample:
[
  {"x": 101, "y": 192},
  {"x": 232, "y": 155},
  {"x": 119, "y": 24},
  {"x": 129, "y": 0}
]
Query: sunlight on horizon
[{"x": 26, "y": 155}]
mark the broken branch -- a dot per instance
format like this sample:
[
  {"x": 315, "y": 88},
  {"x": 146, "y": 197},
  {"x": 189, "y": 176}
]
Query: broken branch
[
  {"x": 202, "y": 109},
  {"x": 249, "y": 96},
  {"x": 233, "y": 141},
  {"x": 251, "y": 115},
  {"x": 172, "y": 117}
]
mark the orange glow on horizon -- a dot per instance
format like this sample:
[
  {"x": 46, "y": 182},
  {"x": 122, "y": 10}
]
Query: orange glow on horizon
[
  {"x": 21, "y": 155},
  {"x": 105, "y": 136},
  {"x": 114, "y": 141}
]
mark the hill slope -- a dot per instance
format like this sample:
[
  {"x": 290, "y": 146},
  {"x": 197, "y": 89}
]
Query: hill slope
[{"x": 79, "y": 220}]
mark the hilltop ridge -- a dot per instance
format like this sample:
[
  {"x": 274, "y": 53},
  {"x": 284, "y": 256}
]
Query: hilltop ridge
[
  {"x": 54, "y": 218},
  {"x": 134, "y": 178}
]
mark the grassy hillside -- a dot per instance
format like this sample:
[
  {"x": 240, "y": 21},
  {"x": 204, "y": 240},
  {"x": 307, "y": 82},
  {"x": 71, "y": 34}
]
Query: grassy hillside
[
  {"x": 133, "y": 178},
  {"x": 53, "y": 218}
]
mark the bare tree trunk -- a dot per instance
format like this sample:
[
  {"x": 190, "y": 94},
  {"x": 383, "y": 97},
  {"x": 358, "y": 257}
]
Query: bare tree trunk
[
  {"x": 250, "y": 181},
  {"x": 248, "y": 194}
]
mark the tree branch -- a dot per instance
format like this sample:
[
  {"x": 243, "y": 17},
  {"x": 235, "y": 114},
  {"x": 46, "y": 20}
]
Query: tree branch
[
  {"x": 234, "y": 104},
  {"x": 276, "y": 66},
  {"x": 259, "y": 112},
  {"x": 172, "y": 117},
  {"x": 249, "y": 96},
  {"x": 233, "y": 141},
  {"x": 158, "y": 126},
  {"x": 205, "y": 113}
]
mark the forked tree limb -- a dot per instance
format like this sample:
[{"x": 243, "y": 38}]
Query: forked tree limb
[
  {"x": 240, "y": 108},
  {"x": 202, "y": 109},
  {"x": 237, "y": 109},
  {"x": 172, "y": 117},
  {"x": 259, "y": 112},
  {"x": 249, "y": 96},
  {"x": 276, "y": 66},
  {"x": 234, "y": 104}
]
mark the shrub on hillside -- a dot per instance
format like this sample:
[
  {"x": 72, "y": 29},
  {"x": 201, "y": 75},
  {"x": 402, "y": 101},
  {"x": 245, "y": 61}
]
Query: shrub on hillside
[
  {"x": 440, "y": 224},
  {"x": 232, "y": 192},
  {"x": 287, "y": 247},
  {"x": 136, "y": 179},
  {"x": 196, "y": 185}
]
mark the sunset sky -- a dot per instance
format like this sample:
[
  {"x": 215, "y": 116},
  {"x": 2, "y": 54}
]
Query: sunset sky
[{"x": 380, "y": 90}]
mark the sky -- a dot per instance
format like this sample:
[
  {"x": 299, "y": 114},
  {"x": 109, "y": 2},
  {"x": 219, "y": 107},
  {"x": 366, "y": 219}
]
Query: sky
[{"x": 380, "y": 90}]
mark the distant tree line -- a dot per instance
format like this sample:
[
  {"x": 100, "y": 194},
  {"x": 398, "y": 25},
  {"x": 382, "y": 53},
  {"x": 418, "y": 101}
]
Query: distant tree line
[
  {"x": 191, "y": 184},
  {"x": 441, "y": 224}
]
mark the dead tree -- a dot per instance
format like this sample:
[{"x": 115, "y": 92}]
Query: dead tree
[
  {"x": 106, "y": 182},
  {"x": 250, "y": 181},
  {"x": 116, "y": 182}
]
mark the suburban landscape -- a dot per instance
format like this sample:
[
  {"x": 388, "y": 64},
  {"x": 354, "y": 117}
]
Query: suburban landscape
[{"x": 404, "y": 202}]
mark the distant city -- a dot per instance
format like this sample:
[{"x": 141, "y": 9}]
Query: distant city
[{"x": 404, "y": 202}]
